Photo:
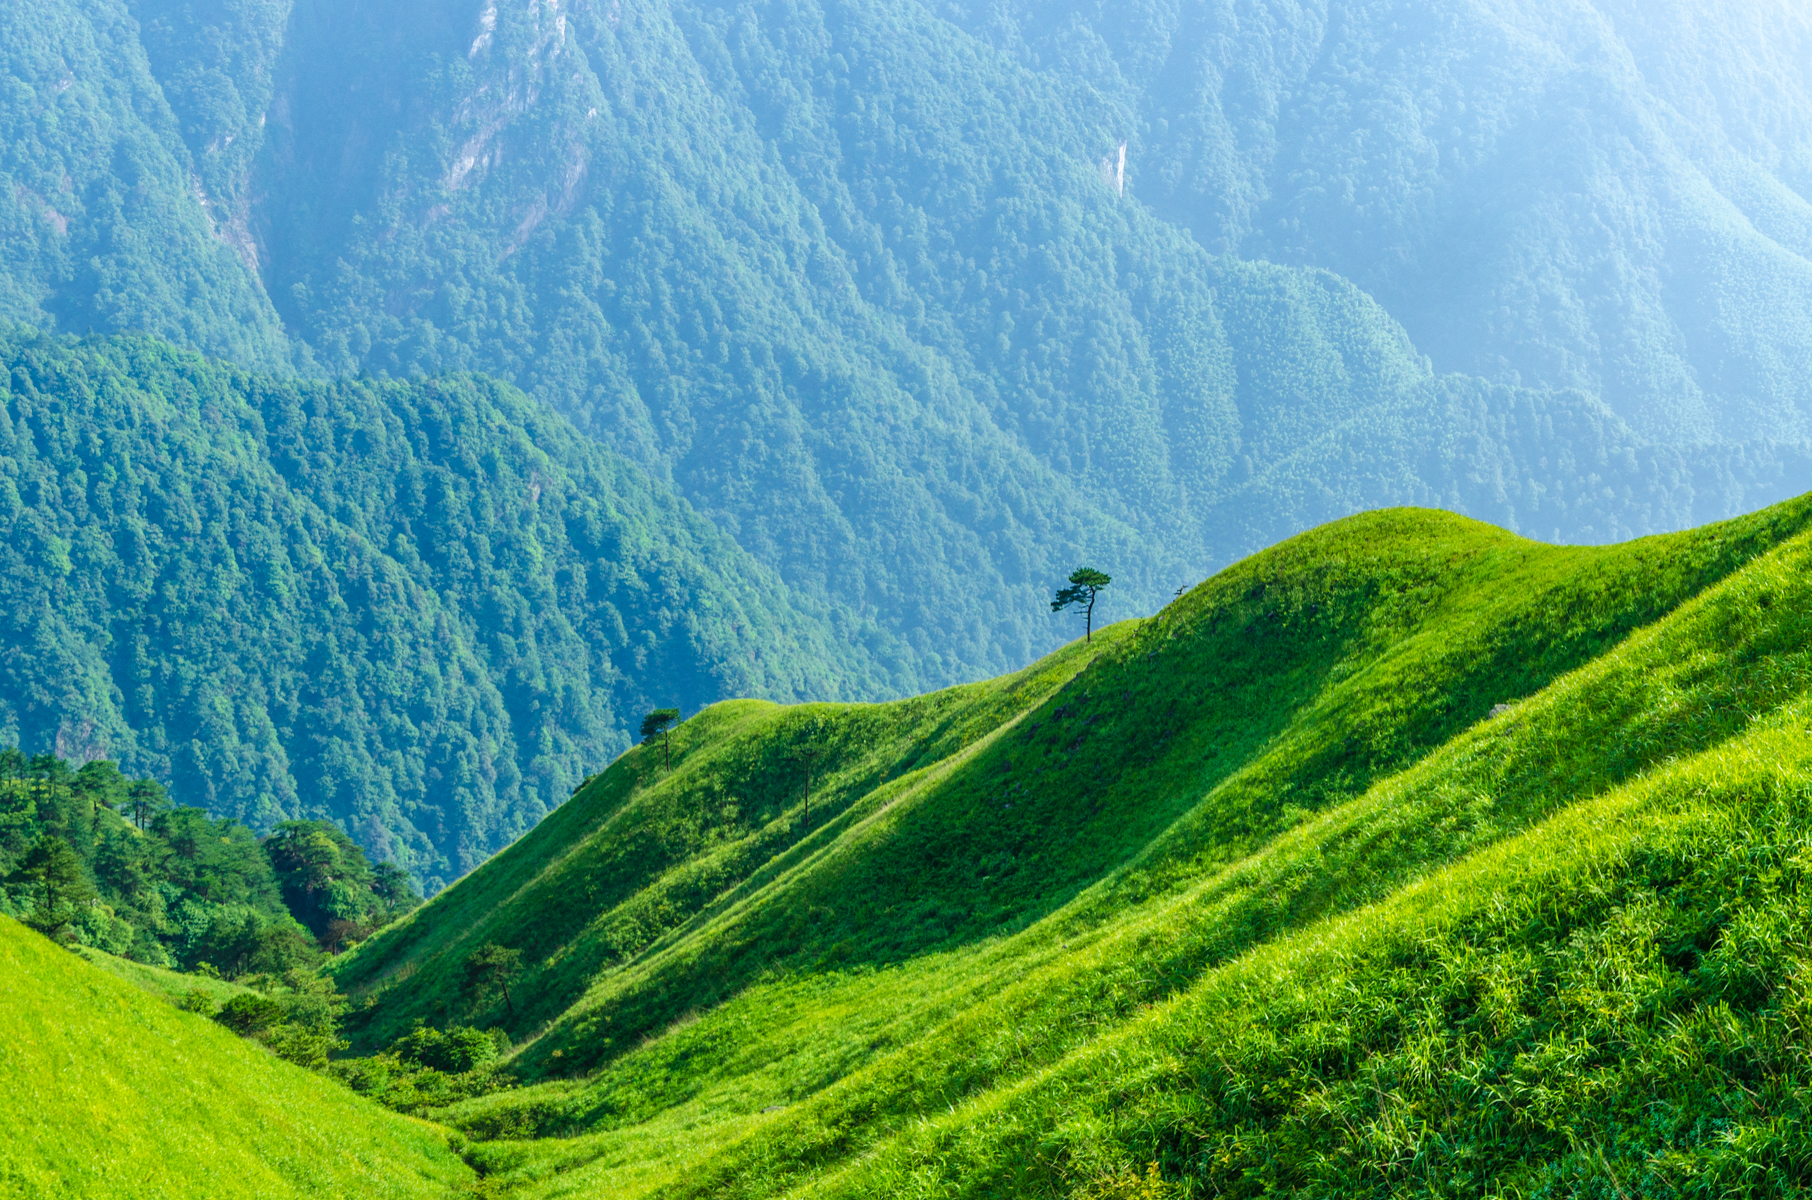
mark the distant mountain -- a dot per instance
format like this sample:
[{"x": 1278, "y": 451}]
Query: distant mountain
[
  {"x": 424, "y": 610},
  {"x": 105, "y": 224},
  {"x": 853, "y": 278},
  {"x": 855, "y": 256},
  {"x": 1611, "y": 195},
  {"x": 871, "y": 288}
]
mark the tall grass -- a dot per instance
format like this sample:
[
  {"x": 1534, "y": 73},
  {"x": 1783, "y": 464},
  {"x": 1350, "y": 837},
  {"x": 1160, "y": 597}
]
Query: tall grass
[
  {"x": 1209, "y": 906},
  {"x": 110, "y": 1091}
]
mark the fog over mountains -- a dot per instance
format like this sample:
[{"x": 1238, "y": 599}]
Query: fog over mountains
[
  {"x": 863, "y": 288},
  {"x": 1609, "y": 196}
]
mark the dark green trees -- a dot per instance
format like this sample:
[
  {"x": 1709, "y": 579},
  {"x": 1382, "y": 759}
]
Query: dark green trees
[
  {"x": 92, "y": 857},
  {"x": 296, "y": 1018},
  {"x": 145, "y": 798},
  {"x": 58, "y": 883},
  {"x": 1085, "y": 584},
  {"x": 491, "y": 968},
  {"x": 660, "y": 723},
  {"x": 330, "y": 886}
]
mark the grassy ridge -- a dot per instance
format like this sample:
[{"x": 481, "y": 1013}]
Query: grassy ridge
[
  {"x": 112, "y": 1092},
  {"x": 1293, "y": 775},
  {"x": 641, "y": 851},
  {"x": 1733, "y": 808}
]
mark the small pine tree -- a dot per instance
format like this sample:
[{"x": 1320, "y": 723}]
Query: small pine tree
[
  {"x": 491, "y": 968},
  {"x": 102, "y": 786},
  {"x": 145, "y": 798},
  {"x": 807, "y": 756},
  {"x": 1085, "y": 584},
  {"x": 660, "y": 723}
]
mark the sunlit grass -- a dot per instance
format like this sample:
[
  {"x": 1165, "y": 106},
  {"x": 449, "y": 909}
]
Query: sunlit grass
[
  {"x": 112, "y": 1092},
  {"x": 1222, "y": 891}
]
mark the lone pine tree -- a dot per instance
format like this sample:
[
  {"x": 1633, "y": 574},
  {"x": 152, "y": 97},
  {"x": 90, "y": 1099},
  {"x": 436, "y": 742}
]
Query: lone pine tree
[
  {"x": 660, "y": 723},
  {"x": 491, "y": 968},
  {"x": 1085, "y": 584}
]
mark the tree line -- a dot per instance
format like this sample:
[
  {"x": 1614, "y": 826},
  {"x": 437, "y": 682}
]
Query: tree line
[{"x": 90, "y": 857}]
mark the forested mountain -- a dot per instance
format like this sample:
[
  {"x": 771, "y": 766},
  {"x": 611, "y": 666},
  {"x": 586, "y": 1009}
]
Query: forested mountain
[
  {"x": 104, "y": 225},
  {"x": 851, "y": 253},
  {"x": 423, "y": 610},
  {"x": 866, "y": 283},
  {"x": 1613, "y": 195}
]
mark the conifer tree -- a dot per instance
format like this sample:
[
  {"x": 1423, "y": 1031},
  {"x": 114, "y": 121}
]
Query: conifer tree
[
  {"x": 491, "y": 967},
  {"x": 54, "y": 871},
  {"x": 145, "y": 798},
  {"x": 1085, "y": 584},
  {"x": 660, "y": 723}
]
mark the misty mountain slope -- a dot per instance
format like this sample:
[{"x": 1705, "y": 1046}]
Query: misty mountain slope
[
  {"x": 424, "y": 610},
  {"x": 855, "y": 283},
  {"x": 103, "y": 226},
  {"x": 1596, "y": 194}
]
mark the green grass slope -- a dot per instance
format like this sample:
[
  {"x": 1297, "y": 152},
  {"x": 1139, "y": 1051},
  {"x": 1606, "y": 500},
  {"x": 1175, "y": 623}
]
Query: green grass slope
[
  {"x": 113, "y": 1092},
  {"x": 170, "y": 986},
  {"x": 1267, "y": 891}
]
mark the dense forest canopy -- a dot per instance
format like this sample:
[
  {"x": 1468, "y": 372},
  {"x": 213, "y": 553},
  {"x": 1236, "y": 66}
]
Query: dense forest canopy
[
  {"x": 904, "y": 308},
  {"x": 425, "y": 611}
]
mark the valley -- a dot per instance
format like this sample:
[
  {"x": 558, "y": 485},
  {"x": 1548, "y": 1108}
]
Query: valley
[
  {"x": 1329, "y": 876},
  {"x": 534, "y": 650}
]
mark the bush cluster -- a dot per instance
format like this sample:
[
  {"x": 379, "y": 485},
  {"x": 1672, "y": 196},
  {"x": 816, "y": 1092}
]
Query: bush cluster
[{"x": 93, "y": 858}]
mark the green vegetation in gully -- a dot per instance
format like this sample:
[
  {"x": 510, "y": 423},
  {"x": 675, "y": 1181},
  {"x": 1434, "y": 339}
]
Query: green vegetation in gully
[
  {"x": 1406, "y": 857},
  {"x": 90, "y": 858}
]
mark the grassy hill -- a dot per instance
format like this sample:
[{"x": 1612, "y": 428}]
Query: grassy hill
[
  {"x": 1407, "y": 857},
  {"x": 112, "y": 1092}
]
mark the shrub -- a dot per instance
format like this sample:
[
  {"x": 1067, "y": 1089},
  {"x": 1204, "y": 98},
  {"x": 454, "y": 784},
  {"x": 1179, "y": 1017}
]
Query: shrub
[
  {"x": 242, "y": 942},
  {"x": 303, "y": 1046},
  {"x": 249, "y": 1014},
  {"x": 455, "y": 1052},
  {"x": 197, "y": 1001}
]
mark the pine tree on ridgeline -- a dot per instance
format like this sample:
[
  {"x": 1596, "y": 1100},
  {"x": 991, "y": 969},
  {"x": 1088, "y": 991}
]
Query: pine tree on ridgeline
[
  {"x": 660, "y": 723},
  {"x": 1085, "y": 585}
]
